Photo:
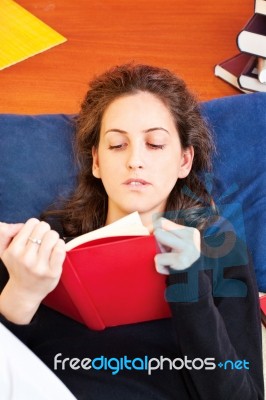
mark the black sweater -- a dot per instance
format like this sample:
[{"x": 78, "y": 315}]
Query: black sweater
[{"x": 202, "y": 327}]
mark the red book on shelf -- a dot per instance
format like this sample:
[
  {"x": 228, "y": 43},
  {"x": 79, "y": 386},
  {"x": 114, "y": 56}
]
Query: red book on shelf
[{"x": 111, "y": 281}]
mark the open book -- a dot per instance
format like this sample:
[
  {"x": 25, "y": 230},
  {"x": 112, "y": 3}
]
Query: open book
[{"x": 109, "y": 277}]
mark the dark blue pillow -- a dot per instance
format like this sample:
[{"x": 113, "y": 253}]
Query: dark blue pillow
[
  {"x": 239, "y": 186},
  {"x": 36, "y": 161}
]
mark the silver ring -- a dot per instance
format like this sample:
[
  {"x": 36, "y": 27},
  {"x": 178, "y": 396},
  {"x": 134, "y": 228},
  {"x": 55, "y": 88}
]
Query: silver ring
[{"x": 35, "y": 240}]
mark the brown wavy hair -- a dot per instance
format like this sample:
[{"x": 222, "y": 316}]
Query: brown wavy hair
[{"x": 86, "y": 209}]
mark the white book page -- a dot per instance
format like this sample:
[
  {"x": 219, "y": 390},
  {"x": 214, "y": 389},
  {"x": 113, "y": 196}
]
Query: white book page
[
  {"x": 260, "y": 6},
  {"x": 130, "y": 225}
]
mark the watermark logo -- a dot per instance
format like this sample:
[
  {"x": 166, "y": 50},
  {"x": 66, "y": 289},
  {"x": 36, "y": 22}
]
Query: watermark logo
[
  {"x": 223, "y": 246},
  {"x": 146, "y": 364}
]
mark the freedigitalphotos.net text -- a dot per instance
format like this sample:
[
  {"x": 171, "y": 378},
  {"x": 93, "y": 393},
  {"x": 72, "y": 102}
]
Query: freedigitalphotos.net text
[{"x": 145, "y": 363}]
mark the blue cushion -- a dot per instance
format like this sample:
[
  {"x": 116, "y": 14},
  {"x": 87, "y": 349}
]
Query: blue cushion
[
  {"x": 239, "y": 125},
  {"x": 36, "y": 161}
]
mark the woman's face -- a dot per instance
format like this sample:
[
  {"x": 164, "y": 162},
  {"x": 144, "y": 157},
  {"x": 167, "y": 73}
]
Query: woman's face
[{"x": 139, "y": 157}]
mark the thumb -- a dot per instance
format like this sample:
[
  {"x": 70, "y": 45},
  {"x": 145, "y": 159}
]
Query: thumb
[{"x": 7, "y": 233}]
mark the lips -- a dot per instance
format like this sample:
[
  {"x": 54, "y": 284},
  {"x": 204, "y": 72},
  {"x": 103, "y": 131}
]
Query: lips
[{"x": 136, "y": 182}]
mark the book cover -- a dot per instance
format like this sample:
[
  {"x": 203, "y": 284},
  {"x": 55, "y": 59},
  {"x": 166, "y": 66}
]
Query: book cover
[
  {"x": 249, "y": 77},
  {"x": 110, "y": 281},
  {"x": 252, "y": 38},
  {"x": 22, "y": 35},
  {"x": 260, "y": 6},
  {"x": 230, "y": 69}
]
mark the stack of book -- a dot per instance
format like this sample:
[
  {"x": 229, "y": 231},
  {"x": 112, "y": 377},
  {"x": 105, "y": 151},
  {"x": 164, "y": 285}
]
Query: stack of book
[{"x": 247, "y": 69}]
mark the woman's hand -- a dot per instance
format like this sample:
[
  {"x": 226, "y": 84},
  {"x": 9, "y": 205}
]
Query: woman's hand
[
  {"x": 7, "y": 232},
  {"x": 180, "y": 246},
  {"x": 34, "y": 260}
]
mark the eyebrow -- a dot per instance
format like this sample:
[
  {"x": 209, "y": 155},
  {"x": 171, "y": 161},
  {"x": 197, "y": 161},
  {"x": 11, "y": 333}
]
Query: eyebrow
[{"x": 145, "y": 131}]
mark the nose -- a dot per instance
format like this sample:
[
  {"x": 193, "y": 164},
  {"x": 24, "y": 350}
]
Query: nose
[{"x": 135, "y": 158}]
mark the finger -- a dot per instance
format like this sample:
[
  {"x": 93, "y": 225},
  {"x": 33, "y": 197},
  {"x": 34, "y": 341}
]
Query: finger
[
  {"x": 186, "y": 233},
  {"x": 37, "y": 233},
  {"x": 165, "y": 261},
  {"x": 160, "y": 268},
  {"x": 169, "y": 239},
  {"x": 58, "y": 256},
  {"x": 7, "y": 233},
  {"x": 168, "y": 225},
  {"x": 22, "y": 237},
  {"x": 49, "y": 240}
]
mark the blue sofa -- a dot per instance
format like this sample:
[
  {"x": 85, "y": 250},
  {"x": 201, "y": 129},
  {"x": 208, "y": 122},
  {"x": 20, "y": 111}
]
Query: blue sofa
[{"x": 36, "y": 163}]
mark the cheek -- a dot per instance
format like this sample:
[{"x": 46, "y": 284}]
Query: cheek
[
  {"x": 110, "y": 169},
  {"x": 103, "y": 159},
  {"x": 167, "y": 176},
  {"x": 168, "y": 165}
]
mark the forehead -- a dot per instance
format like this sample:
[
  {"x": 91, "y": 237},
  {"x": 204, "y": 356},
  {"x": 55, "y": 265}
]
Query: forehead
[{"x": 141, "y": 108}]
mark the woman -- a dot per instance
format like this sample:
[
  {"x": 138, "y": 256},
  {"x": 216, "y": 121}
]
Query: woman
[{"x": 140, "y": 142}]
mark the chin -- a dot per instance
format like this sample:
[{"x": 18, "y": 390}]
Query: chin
[{"x": 142, "y": 210}]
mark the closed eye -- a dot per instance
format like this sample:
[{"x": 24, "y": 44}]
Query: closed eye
[
  {"x": 156, "y": 146},
  {"x": 124, "y": 145},
  {"x": 117, "y": 146}
]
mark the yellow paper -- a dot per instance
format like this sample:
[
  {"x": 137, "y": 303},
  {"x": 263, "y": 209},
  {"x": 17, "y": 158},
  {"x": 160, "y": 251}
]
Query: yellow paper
[{"x": 22, "y": 35}]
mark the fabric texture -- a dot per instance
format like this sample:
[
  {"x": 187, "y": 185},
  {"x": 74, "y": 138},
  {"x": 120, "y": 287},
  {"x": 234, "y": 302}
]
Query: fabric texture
[
  {"x": 37, "y": 165},
  {"x": 239, "y": 126}
]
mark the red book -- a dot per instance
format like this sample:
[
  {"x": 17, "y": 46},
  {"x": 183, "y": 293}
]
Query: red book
[
  {"x": 252, "y": 38},
  {"x": 230, "y": 69},
  {"x": 111, "y": 281}
]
